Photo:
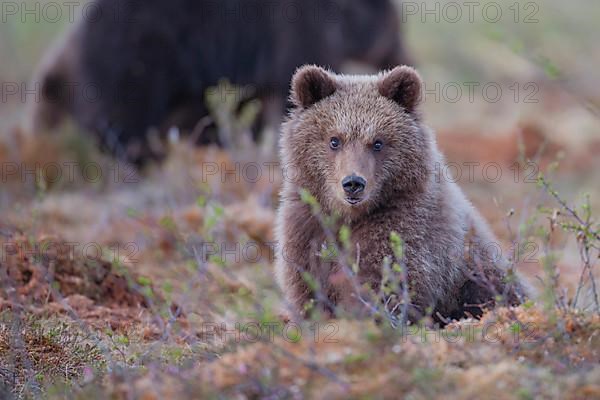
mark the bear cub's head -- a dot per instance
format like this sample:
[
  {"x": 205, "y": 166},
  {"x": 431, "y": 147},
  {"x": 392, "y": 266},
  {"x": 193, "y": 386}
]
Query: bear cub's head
[{"x": 356, "y": 142}]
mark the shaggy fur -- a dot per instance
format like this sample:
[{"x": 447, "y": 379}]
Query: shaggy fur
[
  {"x": 451, "y": 268},
  {"x": 153, "y": 60}
]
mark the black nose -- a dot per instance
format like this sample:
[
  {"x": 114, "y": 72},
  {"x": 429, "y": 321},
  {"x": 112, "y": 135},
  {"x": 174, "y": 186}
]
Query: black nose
[{"x": 353, "y": 184}]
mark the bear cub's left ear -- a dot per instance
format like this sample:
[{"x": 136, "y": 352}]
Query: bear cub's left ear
[
  {"x": 311, "y": 84},
  {"x": 402, "y": 85}
]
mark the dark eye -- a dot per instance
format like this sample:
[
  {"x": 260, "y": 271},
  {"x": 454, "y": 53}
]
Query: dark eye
[
  {"x": 378, "y": 145},
  {"x": 334, "y": 143}
]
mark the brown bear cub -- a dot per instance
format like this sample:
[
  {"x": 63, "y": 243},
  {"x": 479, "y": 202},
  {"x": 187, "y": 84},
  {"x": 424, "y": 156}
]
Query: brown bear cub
[{"x": 358, "y": 145}]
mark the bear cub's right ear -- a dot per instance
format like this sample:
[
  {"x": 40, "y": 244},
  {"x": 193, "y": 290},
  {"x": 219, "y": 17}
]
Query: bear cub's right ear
[{"x": 311, "y": 84}]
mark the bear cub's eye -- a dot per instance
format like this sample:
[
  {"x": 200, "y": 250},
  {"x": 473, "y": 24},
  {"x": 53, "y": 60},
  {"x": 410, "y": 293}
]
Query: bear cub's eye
[
  {"x": 378, "y": 145},
  {"x": 334, "y": 143}
]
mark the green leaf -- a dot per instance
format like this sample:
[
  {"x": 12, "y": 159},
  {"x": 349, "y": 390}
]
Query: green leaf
[
  {"x": 144, "y": 281},
  {"x": 397, "y": 245}
]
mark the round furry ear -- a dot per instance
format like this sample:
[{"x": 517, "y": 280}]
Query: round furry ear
[
  {"x": 311, "y": 84},
  {"x": 402, "y": 85}
]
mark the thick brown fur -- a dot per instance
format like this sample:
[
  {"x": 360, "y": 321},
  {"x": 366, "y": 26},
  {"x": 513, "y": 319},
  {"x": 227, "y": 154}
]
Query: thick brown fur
[{"x": 452, "y": 259}]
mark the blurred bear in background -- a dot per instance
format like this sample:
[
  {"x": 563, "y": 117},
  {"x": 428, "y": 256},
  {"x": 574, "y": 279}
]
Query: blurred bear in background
[{"x": 135, "y": 65}]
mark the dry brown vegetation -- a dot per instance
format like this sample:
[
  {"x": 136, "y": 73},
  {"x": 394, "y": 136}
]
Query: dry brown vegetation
[{"x": 160, "y": 321}]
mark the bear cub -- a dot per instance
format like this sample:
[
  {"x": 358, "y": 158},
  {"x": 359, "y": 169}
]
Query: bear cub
[{"x": 358, "y": 145}]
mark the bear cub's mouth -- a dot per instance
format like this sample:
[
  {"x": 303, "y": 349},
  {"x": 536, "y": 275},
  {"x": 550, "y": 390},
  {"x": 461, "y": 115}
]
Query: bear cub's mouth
[{"x": 353, "y": 200}]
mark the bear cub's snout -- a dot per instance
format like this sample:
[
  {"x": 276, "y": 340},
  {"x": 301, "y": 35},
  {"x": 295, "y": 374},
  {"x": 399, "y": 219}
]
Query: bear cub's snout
[{"x": 353, "y": 185}]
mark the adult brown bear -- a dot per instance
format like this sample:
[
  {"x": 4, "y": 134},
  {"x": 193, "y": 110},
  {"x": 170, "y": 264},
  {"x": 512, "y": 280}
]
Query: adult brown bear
[{"x": 132, "y": 65}]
